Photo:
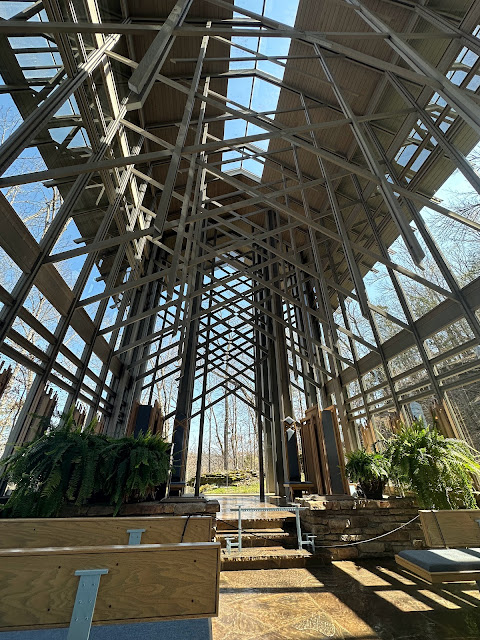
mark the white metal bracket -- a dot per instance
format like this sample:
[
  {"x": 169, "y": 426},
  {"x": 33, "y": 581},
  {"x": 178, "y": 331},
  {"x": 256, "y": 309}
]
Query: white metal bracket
[
  {"x": 82, "y": 614},
  {"x": 135, "y": 536}
]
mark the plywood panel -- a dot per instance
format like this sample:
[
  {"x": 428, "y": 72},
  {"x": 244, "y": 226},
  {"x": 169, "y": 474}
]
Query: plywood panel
[
  {"x": 74, "y": 532},
  {"x": 454, "y": 529},
  {"x": 144, "y": 583},
  {"x": 322, "y": 451},
  {"x": 313, "y": 470},
  {"x": 334, "y": 451}
]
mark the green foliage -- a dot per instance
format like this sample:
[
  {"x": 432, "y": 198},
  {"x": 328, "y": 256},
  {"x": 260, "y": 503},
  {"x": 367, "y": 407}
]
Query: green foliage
[
  {"x": 239, "y": 481},
  {"x": 439, "y": 470},
  {"x": 362, "y": 465},
  {"x": 370, "y": 470},
  {"x": 70, "y": 465},
  {"x": 219, "y": 478},
  {"x": 253, "y": 488},
  {"x": 57, "y": 467},
  {"x": 133, "y": 468}
]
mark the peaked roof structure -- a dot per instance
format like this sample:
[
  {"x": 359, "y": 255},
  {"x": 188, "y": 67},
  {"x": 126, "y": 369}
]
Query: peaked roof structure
[{"x": 185, "y": 261}]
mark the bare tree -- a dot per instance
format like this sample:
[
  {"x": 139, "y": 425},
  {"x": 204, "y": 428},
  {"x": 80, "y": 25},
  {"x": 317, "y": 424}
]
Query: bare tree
[{"x": 37, "y": 207}]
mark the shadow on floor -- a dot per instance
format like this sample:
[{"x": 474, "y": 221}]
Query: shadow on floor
[{"x": 364, "y": 600}]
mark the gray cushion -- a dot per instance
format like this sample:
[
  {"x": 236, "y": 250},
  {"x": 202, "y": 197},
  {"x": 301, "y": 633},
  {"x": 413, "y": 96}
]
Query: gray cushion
[
  {"x": 441, "y": 560},
  {"x": 195, "y": 629}
]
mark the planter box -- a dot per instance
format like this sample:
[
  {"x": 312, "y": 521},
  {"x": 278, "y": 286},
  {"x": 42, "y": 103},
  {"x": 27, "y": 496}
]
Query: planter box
[
  {"x": 168, "y": 506},
  {"x": 27, "y": 533}
]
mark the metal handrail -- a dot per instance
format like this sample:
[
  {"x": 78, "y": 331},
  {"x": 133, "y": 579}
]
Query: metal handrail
[{"x": 308, "y": 542}]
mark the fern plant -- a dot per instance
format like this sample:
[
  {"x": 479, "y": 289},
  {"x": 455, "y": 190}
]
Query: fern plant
[
  {"x": 437, "y": 469},
  {"x": 369, "y": 470},
  {"x": 132, "y": 468},
  {"x": 58, "y": 467},
  {"x": 69, "y": 465}
]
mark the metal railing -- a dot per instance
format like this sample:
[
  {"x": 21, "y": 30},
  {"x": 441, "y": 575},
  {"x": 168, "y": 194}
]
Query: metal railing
[{"x": 305, "y": 540}]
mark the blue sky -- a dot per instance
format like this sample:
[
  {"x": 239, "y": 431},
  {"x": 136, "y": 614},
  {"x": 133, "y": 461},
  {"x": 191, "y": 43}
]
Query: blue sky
[{"x": 257, "y": 94}]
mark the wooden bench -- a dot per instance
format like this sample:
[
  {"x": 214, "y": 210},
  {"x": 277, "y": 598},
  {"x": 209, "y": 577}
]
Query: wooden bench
[
  {"x": 135, "y": 583},
  {"x": 26, "y": 533},
  {"x": 51, "y": 578},
  {"x": 454, "y": 556}
]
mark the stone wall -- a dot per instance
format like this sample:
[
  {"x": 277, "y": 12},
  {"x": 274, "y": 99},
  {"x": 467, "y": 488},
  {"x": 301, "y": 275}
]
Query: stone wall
[
  {"x": 338, "y": 521},
  {"x": 167, "y": 507}
]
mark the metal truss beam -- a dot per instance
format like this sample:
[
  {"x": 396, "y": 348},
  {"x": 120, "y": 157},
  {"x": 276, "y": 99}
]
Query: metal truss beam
[{"x": 247, "y": 282}]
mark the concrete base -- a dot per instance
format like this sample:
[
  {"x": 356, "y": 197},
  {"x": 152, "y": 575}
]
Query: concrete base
[
  {"x": 265, "y": 558},
  {"x": 198, "y": 629}
]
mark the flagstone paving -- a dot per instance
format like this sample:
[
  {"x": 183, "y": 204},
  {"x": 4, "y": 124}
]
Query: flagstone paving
[{"x": 365, "y": 600}]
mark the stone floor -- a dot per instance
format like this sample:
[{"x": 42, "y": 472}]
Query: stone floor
[
  {"x": 363, "y": 600},
  {"x": 229, "y": 502}
]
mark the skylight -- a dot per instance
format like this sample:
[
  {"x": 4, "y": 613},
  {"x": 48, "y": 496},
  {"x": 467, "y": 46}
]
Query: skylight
[{"x": 256, "y": 93}]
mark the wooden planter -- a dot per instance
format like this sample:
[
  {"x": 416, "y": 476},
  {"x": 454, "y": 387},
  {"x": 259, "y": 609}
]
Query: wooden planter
[{"x": 174, "y": 506}]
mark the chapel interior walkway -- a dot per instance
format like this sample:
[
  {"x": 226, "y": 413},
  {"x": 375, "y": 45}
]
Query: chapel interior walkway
[
  {"x": 364, "y": 600},
  {"x": 246, "y": 501}
]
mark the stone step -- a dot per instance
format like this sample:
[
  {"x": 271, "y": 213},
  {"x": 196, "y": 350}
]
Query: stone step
[
  {"x": 226, "y": 523},
  {"x": 259, "y": 537},
  {"x": 265, "y": 558}
]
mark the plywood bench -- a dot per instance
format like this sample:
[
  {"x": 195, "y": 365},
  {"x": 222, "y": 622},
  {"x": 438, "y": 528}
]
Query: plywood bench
[
  {"x": 45, "y": 588},
  {"x": 454, "y": 538},
  {"x": 80, "y": 532}
]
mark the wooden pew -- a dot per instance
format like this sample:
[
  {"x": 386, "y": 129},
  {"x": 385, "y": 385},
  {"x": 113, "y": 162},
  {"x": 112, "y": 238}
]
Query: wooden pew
[
  {"x": 454, "y": 538},
  {"x": 41, "y": 587},
  {"x": 454, "y": 529},
  {"x": 27, "y": 533}
]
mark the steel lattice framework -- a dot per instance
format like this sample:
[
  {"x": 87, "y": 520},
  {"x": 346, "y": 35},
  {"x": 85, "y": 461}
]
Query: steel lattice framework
[{"x": 205, "y": 269}]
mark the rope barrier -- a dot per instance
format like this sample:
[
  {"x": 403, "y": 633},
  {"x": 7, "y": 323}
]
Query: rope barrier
[
  {"x": 335, "y": 546},
  {"x": 351, "y": 544}
]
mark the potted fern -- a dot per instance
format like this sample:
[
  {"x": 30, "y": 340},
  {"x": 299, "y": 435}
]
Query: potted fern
[
  {"x": 134, "y": 468},
  {"x": 57, "y": 468},
  {"x": 74, "y": 466},
  {"x": 369, "y": 470},
  {"x": 439, "y": 470}
]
